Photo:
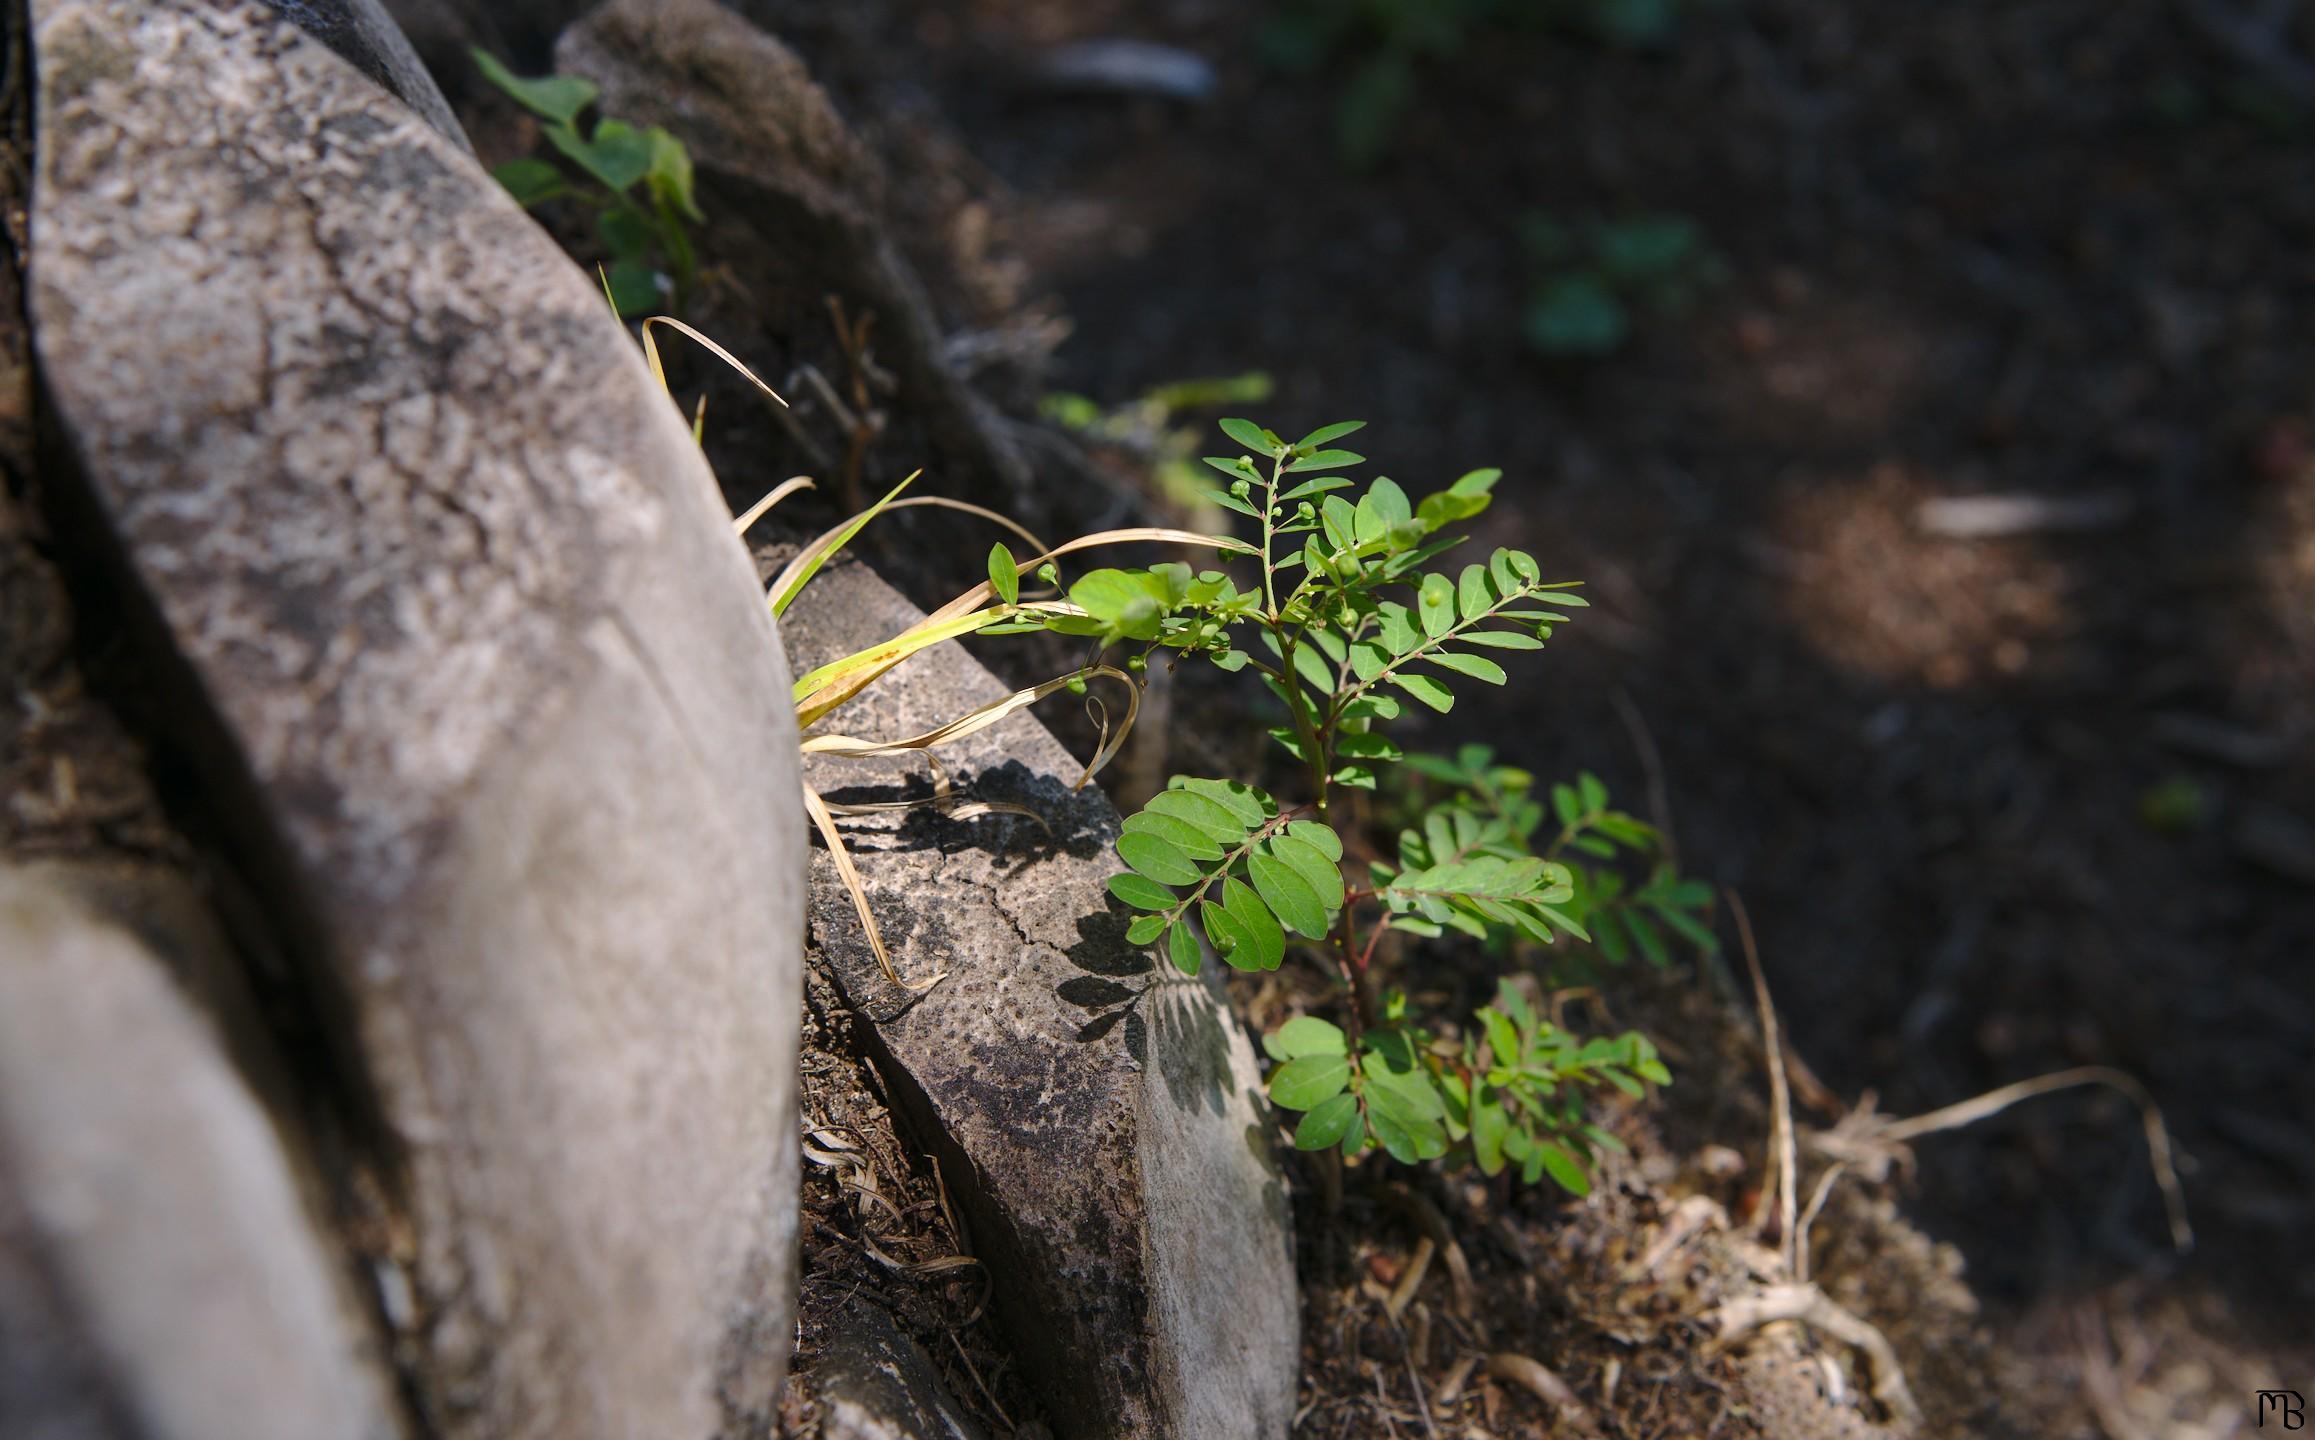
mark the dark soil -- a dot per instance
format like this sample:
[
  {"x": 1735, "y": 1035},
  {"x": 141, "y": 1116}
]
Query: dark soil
[{"x": 1999, "y": 806}]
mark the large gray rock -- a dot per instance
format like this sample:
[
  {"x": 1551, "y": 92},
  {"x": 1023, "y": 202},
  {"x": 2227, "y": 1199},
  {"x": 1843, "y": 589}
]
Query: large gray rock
[
  {"x": 1099, "y": 1117},
  {"x": 161, "y": 1272},
  {"x": 482, "y": 693}
]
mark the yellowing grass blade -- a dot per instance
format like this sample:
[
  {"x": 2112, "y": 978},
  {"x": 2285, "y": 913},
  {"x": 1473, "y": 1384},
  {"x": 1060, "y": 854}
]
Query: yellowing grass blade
[
  {"x": 818, "y": 809},
  {"x": 799, "y": 571},
  {"x": 778, "y": 493},
  {"x": 995, "y": 518},
  {"x": 884, "y": 656},
  {"x": 830, "y": 695},
  {"x": 659, "y": 372},
  {"x": 982, "y": 718}
]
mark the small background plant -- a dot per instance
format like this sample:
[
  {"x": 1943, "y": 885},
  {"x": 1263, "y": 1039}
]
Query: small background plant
[
  {"x": 638, "y": 181},
  {"x": 1593, "y": 276},
  {"x": 1384, "y": 48},
  {"x": 1152, "y": 430}
]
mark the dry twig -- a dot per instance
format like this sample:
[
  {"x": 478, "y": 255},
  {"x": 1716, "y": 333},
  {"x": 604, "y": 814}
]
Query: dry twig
[
  {"x": 1544, "y": 1385},
  {"x": 1780, "y": 1091}
]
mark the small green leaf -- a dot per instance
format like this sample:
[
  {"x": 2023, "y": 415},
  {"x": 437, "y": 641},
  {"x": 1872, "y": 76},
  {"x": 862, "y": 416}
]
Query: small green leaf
[
  {"x": 618, "y": 154},
  {"x": 1182, "y": 948},
  {"x": 1646, "y": 937},
  {"x": 1322, "y": 874},
  {"x": 1157, "y": 859},
  {"x": 1244, "y": 801},
  {"x": 1478, "y": 667},
  {"x": 1502, "y": 1036},
  {"x": 1465, "y": 498},
  {"x": 1141, "y": 893},
  {"x": 1489, "y": 1127},
  {"x": 1255, "y": 922},
  {"x": 1004, "y": 575},
  {"x": 1228, "y": 940},
  {"x": 627, "y": 232},
  {"x": 1577, "y": 315},
  {"x": 670, "y": 174},
  {"x": 1318, "y": 836},
  {"x": 1435, "y": 606},
  {"x": 1288, "y": 895},
  {"x": 1325, "y": 433},
  {"x": 1201, "y": 812},
  {"x": 1472, "y": 596},
  {"x": 1130, "y": 603},
  {"x": 1427, "y": 690},
  {"x": 1592, "y": 792},
  {"x": 1144, "y": 929},
  {"x": 1325, "y": 460},
  {"x": 1301, "y": 1083},
  {"x": 1252, "y": 436},
  {"x": 1229, "y": 501},
  {"x": 634, "y": 287},
  {"x": 1328, "y": 1121},
  {"x": 1308, "y": 1035},
  {"x": 531, "y": 181},
  {"x": 559, "y": 98},
  {"x": 1564, "y": 1168},
  {"x": 1500, "y": 640},
  {"x": 1340, "y": 522},
  {"x": 1690, "y": 928},
  {"x": 1180, "y": 834}
]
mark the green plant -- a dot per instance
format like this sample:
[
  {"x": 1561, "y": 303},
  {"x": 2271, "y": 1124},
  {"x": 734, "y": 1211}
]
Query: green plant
[
  {"x": 1217, "y": 863},
  {"x": 1594, "y": 275},
  {"x": 1388, "y": 44},
  {"x": 1343, "y": 624},
  {"x": 642, "y": 187}
]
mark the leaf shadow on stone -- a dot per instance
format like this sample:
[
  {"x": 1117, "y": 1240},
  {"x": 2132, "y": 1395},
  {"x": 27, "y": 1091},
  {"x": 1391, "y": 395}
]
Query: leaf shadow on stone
[
  {"x": 1166, "y": 1016},
  {"x": 1075, "y": 822}
]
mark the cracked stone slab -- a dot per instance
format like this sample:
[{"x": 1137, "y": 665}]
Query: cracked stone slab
[
  {"x": 478, "y": 688},
  {"x": 162, "y": 1272},
  {"x": 1098, "y": 1116}
]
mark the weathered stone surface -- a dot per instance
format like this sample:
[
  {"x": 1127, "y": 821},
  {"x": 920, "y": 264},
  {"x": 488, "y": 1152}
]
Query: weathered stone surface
[
  {"x": 1098, "y": 1117},
  {"x": 481, "y": 691},
  {"x": 875, "y": 1383},
  {"x": 160, "y": 1271},
  {"x": 367, "y": 38}
]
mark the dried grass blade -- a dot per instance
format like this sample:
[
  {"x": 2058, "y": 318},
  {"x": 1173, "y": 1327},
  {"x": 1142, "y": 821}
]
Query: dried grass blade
[
  {"x": 822, "y": 705},
  {"x": 845, "y": 871},
  {"x": 851, "y": 747},
  {"x": 659, "y": 372},
  {"x": 812, "y": 701},
  {"x": 763, "y": 507}
]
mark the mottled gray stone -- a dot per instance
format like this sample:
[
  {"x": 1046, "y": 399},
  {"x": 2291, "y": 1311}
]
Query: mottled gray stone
[
  {"x": 1097, "y": 1114},
  {"x": 156, "y": 1246},
  {"x": 874, "y": 1383},
  {"x": 480, "y": 688},
  {"x": 367, "y": 38}
]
